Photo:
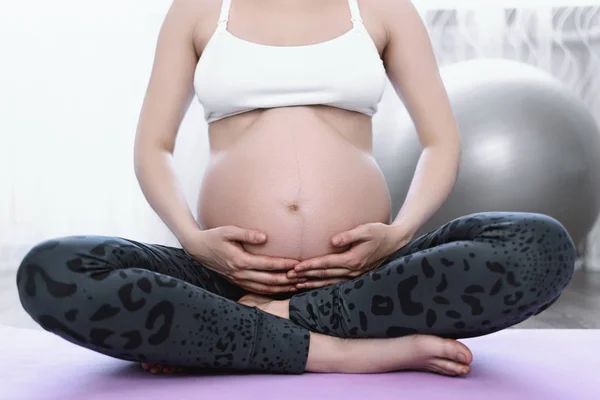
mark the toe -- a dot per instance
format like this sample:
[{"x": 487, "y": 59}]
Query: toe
[
  {"x": 435, "y": 369},
  {"x": 449, "y": 367},
  {"x": 156, "y": 369},
  {"x": 457, "y": 351}
]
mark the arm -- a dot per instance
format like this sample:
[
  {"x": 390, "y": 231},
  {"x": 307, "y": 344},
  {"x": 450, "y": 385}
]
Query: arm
[
  {"x": 168, "y": 96},
  {"x": 413, "y": 70}
]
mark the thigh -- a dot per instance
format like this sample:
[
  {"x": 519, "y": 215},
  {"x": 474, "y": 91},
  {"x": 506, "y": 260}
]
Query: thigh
[
  {"x": 142, "y": 302},
  {"x": 473, "y": 276},
  {"x": 177, "y": 263},
  {"x": 478, "y": 227},
  {"x": 98, "y": 256},
  {"x": 465, "y": 228}
]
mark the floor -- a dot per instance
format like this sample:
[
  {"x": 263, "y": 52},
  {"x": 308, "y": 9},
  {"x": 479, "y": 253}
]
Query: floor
[
  {"x": 578, "y": 307},
  {"x": 514, "y": 364}
]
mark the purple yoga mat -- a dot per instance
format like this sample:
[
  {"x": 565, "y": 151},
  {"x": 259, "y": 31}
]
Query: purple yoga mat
[{"x": 512, "y": 364}]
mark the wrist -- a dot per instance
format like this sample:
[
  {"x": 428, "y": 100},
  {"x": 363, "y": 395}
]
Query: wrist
[
  {"x": 400, "y": 234},
  {"x": 406, "y": 225},
  {"x": 189, "y": 236}
]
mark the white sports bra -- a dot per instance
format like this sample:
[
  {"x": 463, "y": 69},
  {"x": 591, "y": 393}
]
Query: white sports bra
[{"x": 234, "y": 75}]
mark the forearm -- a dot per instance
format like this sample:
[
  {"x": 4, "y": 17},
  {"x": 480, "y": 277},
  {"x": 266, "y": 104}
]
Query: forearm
[
  {"x": 434, "y": 178},
  {"x": 157, "y": 178}
]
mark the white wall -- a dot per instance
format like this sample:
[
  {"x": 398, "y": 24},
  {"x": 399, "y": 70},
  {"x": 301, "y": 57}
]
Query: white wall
[{"x": 72, "y": 79}]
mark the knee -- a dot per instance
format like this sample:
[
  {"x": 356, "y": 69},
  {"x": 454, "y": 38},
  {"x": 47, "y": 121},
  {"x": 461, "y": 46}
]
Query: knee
[
  {"x": 544, "y": 244},
  {"x": 545, "y": 234},
  {"x": 43, "y": 278}
]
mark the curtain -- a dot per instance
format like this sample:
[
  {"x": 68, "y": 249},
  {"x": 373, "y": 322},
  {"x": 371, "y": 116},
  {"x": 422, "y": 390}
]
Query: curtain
[
  {"x": 73, "y": 76},
  {"x": 560, "y": 37}
]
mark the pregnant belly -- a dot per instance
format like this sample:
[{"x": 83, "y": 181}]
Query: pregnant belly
[{"x": 300, "y": 183}]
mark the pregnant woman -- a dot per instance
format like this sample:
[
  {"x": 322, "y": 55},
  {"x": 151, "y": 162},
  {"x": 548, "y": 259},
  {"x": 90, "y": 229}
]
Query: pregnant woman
[{"x": 294, "y": 263}]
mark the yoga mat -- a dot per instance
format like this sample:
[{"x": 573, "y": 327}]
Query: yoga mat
[{"x": 512, "y": 364}]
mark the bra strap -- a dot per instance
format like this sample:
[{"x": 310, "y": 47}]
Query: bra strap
[
  {"x": 355, "y": 12},
  {"x": 224, "y": 17}
]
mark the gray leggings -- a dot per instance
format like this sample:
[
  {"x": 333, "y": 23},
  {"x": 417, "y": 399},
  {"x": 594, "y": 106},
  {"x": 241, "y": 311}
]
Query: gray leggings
[{"x": 473, "y": 276}]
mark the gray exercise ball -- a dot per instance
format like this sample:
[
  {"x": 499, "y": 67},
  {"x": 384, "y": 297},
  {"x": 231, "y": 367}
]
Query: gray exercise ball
[{"x": 528, "y": 144}]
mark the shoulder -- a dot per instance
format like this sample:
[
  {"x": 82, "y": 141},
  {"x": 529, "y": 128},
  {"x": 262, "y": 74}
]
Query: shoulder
[
  {"x": 191, "y": 5},
  {"x": 391, "y": 12},
  {"x": 196, "y": 7},
  {"x": 387, "y": 9},
  {"x": 399, "y": 18},
  {"x": 199, "y": 16},
  {"x": 195, "y": 10}
]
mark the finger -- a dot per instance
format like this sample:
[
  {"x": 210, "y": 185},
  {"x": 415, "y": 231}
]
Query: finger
[
  {"x": 244, "y": 235},
  {"x": 267, "y": 278},
  {"x": 328, "y": 261},
  {"x": 326, "y": 273},
  {"x": 345, "y": 238},
  {"x": 320, "y": 283},
  {"x": 266, "y": 263},
  {"x": 265, "y": 289}
]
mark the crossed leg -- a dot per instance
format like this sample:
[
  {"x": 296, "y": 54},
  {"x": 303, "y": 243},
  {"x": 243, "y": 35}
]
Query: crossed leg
[
  {"x": 473, "y": 276},
  {"x": 156, "y": 305}
]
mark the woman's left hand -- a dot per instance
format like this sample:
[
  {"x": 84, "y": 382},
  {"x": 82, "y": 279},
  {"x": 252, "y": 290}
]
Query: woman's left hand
[{"x": 370, "y": 245}]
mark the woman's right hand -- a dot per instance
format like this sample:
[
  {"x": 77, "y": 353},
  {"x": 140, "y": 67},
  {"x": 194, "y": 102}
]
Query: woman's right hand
[{"x": 220, "y": 249}]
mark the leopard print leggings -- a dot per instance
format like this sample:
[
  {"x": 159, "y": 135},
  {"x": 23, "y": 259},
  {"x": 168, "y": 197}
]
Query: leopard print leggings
[{"x": 473, "y": 276}]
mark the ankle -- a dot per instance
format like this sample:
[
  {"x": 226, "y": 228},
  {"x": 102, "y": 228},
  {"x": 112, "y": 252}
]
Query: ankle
[
  {"x": 325, "y": 354},
  {"x": 280, "y": 308}
]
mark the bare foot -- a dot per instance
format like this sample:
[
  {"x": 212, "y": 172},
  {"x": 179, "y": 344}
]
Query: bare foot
[
  {"x": 415, "y": 352},
  {"x": 363, "y": 356},
  {"x": 155, "y": 368}
]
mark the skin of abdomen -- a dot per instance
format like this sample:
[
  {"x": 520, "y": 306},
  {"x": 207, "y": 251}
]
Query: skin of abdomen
[{"x": 296, "y": 179}]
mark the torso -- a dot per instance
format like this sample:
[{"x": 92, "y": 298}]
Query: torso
[{"x": 300, "y": 174}]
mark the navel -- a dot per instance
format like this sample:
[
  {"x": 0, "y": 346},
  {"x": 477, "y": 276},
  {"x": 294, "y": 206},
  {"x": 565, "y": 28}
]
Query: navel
[{"x": 293, "y": 207}]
